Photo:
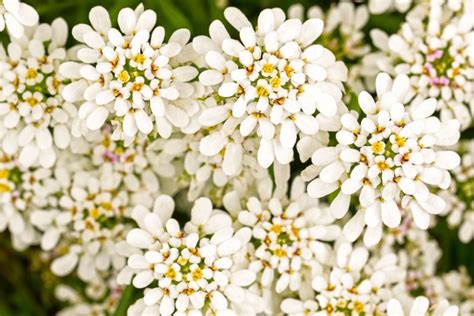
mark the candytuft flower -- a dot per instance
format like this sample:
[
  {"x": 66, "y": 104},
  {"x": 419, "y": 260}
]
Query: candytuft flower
[
  {"x": 437, "y": 55},
  {"x": 389, "y": 157},
  {"x": 34, "y": 118},
  {"x": 190, "y": 270},
  {"x": 129, "y": 76},
  {"x": 273, "y": 82}
]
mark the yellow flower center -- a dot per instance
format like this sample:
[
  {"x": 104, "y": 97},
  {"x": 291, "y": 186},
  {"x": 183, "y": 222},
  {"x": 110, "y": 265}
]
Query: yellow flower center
[
  {"x": 288, "y": 70},
  {"x": 140, "y": 58},
  {"x": 377, "y": 147},
  {"x": 280, "y": 252},
  {"x": 94, "y": 213},
  {"x": 32, "y": 101},
  {"x": 182, "y": 261},
  {"x": 124, "y": 76},
  {"x": 382, "y": 165},
  {"x": 400, "y": 141},
  {"x": 171, "y": 274},
  {"x": 137, "y": 86},
  {"x": 358, "y": 306},
  {"x": 275, "y": 82},
  {"x": 4, "y": 173},
  {"x": 268, "y": 68},
  {"x": 262, "y": 91},
  {"x": 31, "y": 73},
  {"x": 4, "y": 188},
  {"x": 197, "y": 274},
  {"x": 276, "y": 229}
]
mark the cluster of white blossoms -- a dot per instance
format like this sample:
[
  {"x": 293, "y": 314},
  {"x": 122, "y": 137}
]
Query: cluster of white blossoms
[
  {"x": 346, "y": 287},
  {"x": 191, "y": 270},
  {"x": 389, "y": 157},
  {"x": 437, "y": 55},
  {"x": 273, "y": 82},
  {"x": 34, "y": 119},
  {"x": 129, "y": 76},
  {"x": 289, "y": 166},
  {"x": 342, "y": 34}
]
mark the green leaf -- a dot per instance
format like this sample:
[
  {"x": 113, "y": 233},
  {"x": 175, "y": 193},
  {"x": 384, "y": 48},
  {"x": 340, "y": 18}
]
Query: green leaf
[
  {"x": 127, "y": 299},
  {"x": 175, "y": 19}
]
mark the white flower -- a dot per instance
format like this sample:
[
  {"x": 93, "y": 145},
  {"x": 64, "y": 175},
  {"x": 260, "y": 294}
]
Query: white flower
[
  {"x": 92, "y": 215},
  {"x": 389, "y": 158},
  {"x": 15, "y": 15},
  {"x": 288, "y": 238},
  {"x": 456, "y": 287},
  {"x": 460, "y": 197},
  {"x": 342, "y": 35},
  {"x": 96, "y": 299},
  {"x": 129, "y": 76},
  {"x": 89, "y": 224},
  {"x": 22, "y": 191},
  {"x": 347, "y": 287},
  {"x": 421, "y": 306},
  {"x": 229, "y": 164},
  {"x": 382, "y": 6},
  {"x": 190, "y": 270},
  {"x": 437, "y": 55},
  {"x": 34, "y": 118},
  {"x": 273, "y": 82}
]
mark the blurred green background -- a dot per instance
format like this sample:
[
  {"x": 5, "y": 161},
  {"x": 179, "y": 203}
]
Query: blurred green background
[{"x": 25, "y": 287}]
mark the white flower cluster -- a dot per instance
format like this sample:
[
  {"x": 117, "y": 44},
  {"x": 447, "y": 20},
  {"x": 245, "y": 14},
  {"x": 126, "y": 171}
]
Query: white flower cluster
[
  {"x": 438, "y": 56},
  {"x": 129, "y": 76},
  {"x": 289, "y": 166},
  {"x": 273, "y": 83},
  {"x": 34, "y": 118}
]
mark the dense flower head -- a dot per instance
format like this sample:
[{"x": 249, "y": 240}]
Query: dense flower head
[
  {"x": 348, "y": 288},
  {"x": 22, "y": 191},
  {"x": 438, "y": 55},
  {"x": 190, "y": 270},
  {"x": 129, "y": 76},
  {"x": 390, "y": 158},
  {"x": 288, "y": 237},
  {"x": 273, "y": 82},
  {"x": 92, "y": 211},
  {"x": 34, "y": 118}
]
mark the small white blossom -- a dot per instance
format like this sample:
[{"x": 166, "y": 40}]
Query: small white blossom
[
  {"x": 342, "y": 34},
  {"x": 22, "y": 191}
]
